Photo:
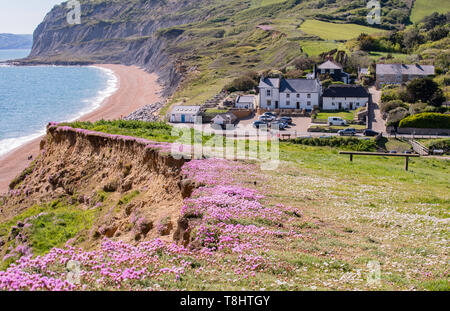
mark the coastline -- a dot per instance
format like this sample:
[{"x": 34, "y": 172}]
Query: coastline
[{"x": 135, "y": 88}]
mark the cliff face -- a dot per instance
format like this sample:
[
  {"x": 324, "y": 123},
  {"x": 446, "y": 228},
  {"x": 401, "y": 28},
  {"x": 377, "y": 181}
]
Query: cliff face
[
  {"x": 115, "y": 32},
  {"x": 131, "y": 188}
]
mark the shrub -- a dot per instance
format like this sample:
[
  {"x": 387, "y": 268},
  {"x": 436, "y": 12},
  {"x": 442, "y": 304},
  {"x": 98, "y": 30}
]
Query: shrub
[
  {"x": 391, "y": 105},
  {"x": 351, "y": 143},
  {"x": 427, "y": 120},
  {"x": 244, "y": 83},
  {"x": 440, "y": 144},
  {"x": 396, "y": 115}
]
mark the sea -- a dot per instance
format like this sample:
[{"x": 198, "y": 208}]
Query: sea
[{"x": 31, "y": 97}]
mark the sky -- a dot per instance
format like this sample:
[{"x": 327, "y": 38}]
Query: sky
[{"x": 23, "y": 16}]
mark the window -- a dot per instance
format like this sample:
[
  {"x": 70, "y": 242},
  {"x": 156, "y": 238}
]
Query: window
[
  {"x": 288, "y": 95},
  {"x": 268, "y": 93},
  {"x": 269, "y": 103},
  {"x": 309, "y": 95},
  {"x": 298, "y": 95},
  {"x": 288, "y": 103},
  {"x": 332, "y": 71},
  {"x": 333, "y": 104},
  {"x": 309, "y": 103}
]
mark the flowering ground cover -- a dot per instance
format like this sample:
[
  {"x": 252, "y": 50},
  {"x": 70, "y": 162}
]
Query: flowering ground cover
[{"x": 317, "y": 222}]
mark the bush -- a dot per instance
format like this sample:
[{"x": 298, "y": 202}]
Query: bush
[
  {"x": 441, "y": 144},
  {"x": 427, "y": 120},
  {"x": 391, "y": 105},
  {"x": 396, "y": 115},
  {"x": 244, "y": 83},
  {"x": 425, "y": 90},
  {"x": 351, "y": 143}
]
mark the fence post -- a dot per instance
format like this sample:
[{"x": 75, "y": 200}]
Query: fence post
[{"x": 406, "y": 163}]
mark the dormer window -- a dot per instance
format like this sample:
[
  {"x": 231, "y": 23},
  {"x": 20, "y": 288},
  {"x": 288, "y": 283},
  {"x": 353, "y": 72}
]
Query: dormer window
[{"x": 268, "y": 93}]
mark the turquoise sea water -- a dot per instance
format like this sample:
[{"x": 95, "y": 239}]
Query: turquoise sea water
[{"x": 31, "y": 97}]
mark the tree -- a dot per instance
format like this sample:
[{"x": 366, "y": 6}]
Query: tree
[
  {"x": 412, "y": 38},
  {"x": 434, "y": 20},
  {"x": 426, "y": 91}
]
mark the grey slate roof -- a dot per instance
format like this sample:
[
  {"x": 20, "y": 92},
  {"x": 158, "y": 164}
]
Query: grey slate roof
[
  {"x": 330, "y": 65},
  {"x": 299, "y": 86},
  {"x": 345, "y": 90},
  {"x": 269, "y": 82},
  {"x": 395, "y": 69},
  {"x": 246, "y": 99}
]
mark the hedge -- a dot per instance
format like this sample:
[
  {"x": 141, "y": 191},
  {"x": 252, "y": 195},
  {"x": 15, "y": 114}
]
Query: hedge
[
  {"x": 350, "y": 143},
  {"x": 427, "y": 120}
]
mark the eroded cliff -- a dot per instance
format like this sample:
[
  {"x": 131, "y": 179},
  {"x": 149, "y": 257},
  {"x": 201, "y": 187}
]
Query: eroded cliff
[{"x": 87, "y": 185}]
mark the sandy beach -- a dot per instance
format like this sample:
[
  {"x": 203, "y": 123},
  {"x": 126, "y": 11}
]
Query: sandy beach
[{"x": 136, "y": 89}]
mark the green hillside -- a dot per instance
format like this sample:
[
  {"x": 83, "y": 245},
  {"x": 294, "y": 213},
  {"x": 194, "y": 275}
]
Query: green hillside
[{"x": 423, "y": 8}]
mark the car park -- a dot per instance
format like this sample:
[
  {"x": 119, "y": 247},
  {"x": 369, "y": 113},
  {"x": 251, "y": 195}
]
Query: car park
[{"x": 347, "y": 132}]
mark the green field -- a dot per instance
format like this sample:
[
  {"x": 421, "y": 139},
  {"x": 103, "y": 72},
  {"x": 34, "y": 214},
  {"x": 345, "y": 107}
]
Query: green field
[
  {"x": 349, "y": 116},
  {"x": 314, "y": 48},
  {"x": 424, "y": 8},
  {"x": 332, "y": 31}
]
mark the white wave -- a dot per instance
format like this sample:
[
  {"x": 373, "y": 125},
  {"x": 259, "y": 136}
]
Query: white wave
[
  {"x": 112, "y": 85},
  {"x": 9, "y": 144}
]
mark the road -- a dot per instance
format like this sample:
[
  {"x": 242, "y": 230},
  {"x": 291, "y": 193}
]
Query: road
[{"x": 378, "y": 124}]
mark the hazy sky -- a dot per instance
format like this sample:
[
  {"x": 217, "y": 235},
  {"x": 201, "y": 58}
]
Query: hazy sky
[{"x": 23, "y": 16}]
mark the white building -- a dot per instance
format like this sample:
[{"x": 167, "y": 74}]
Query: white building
[
  {"x": 225, "y": 118},
  {"x": 280, "y": 93},
  {"x": 246, "y": 102},
  {"x": 345, "y": 97},
  {"x": 184, "y": 114}
]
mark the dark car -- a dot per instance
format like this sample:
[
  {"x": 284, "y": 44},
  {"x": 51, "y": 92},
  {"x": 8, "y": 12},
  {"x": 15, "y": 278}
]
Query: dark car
[
  {"x": 347, "y": 132},
  {"x": 266, "y": 119},
  {"x": 287, "y": 119},
  {"x": 258, "y": 124},
  {"x": 369, "y": 132},
  {"x": 278, "y": 124},
  {"x": 270, "y": 114}
]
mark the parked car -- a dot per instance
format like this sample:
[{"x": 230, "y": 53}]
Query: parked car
[
  {"x": 278, "y": 124},
  {"x": 336, "y": 121},
  {"x": 270, "y": 114},
  {"x": 370, "y": 132},
  {"x": 287, "y": 119},
  {"x": 266, "y": 119},
  {"x": 258, "y": 124},
  {"x": 393, "y": 151},
  {"x": 347, "y": 132}
]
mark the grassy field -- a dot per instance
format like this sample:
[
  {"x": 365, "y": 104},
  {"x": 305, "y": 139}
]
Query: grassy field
[
  {"x": 424, "y": 8},
  {"x": 336, "y": 217},
  {"x": 346, "y": 115},
  {"x": 314, "y": 48},
  {"x": 332, "y": 31}
]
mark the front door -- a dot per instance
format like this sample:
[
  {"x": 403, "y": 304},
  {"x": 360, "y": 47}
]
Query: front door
[
  {"x": 298, "y": 105},
  {"x": 183, "y": 118},
  {"x": 276, "y": 104},
  {"x": 351, "y": 106},
  {"x": 340, "y": 106}
]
